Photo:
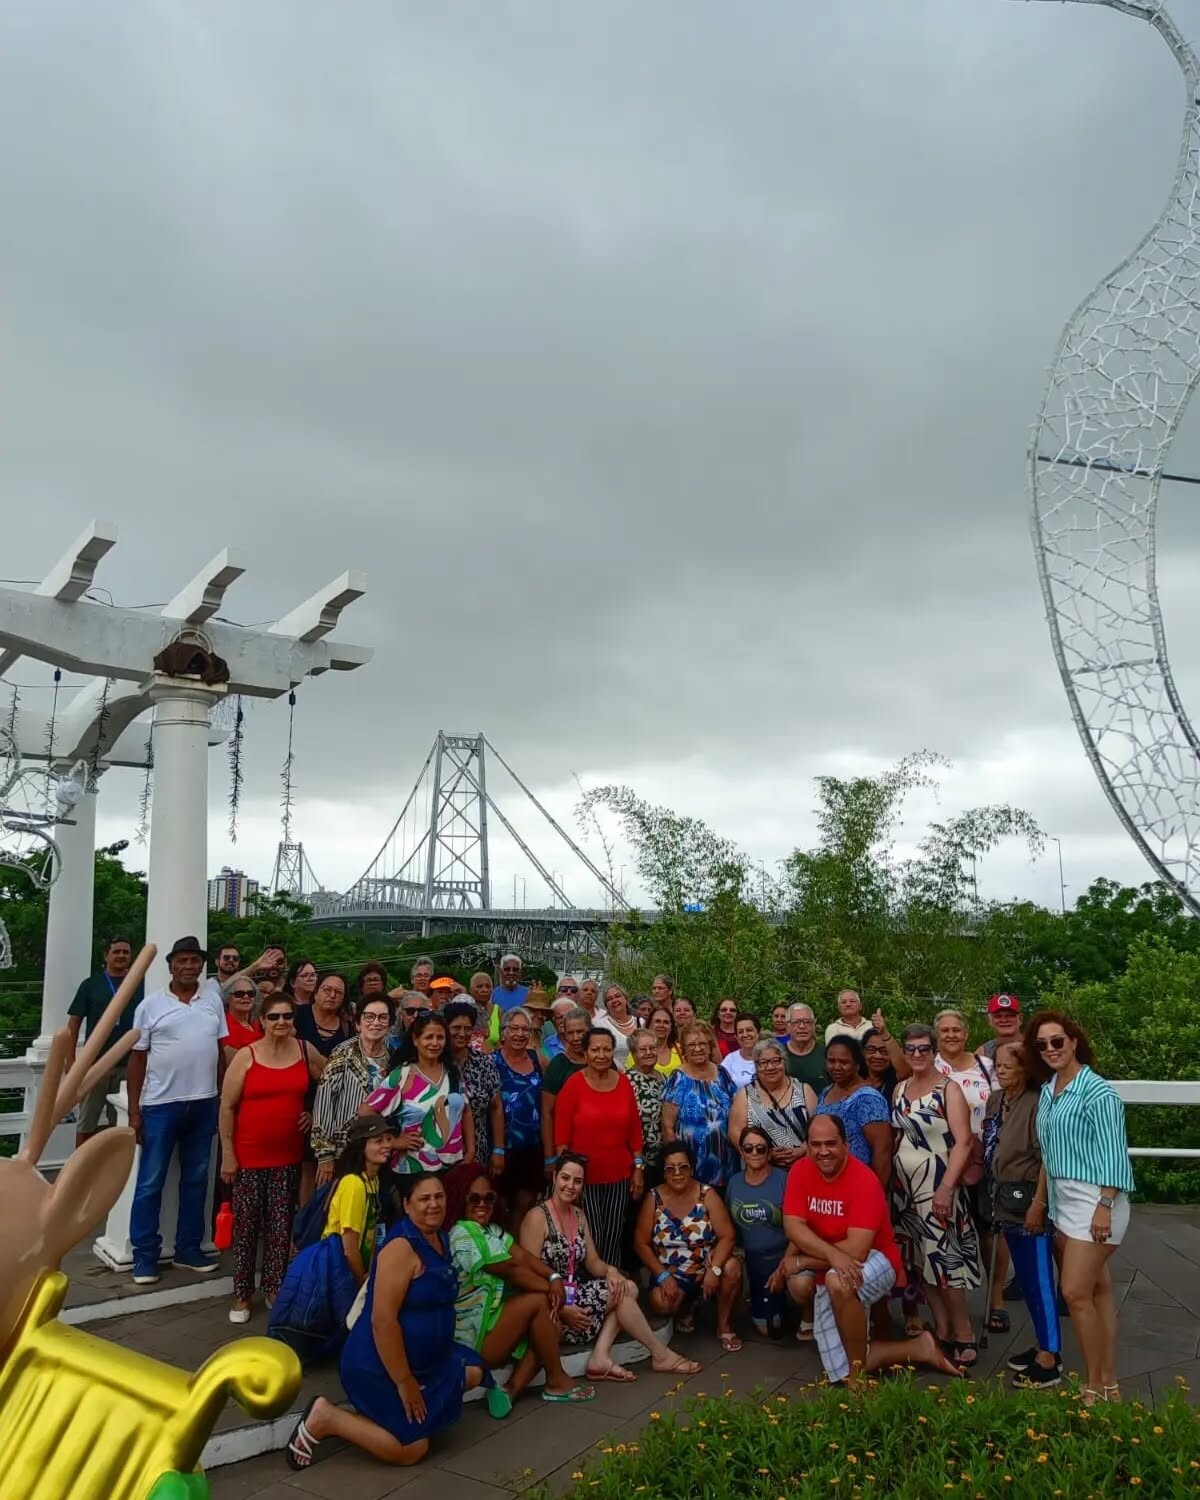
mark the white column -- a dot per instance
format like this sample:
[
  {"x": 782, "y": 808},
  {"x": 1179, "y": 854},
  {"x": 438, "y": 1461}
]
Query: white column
[
  {"x": 178, "y": 897},
  {"x": 69, "y": 920}
]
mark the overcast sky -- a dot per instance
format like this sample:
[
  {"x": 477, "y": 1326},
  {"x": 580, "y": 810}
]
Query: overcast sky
[{"x": 667, "y": 368}]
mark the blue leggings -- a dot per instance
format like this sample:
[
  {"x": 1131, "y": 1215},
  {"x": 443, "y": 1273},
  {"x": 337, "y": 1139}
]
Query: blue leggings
[{"x": 1033, "y": 1262}]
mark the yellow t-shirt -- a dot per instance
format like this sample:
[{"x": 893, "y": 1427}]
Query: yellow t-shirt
[
  {"x": 354, "y": 1204},
  {"x": 666, "y": 1069}
]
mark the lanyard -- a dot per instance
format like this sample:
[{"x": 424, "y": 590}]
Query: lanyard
[
  {"x": 570, "y": 1242},
  {"x": 112, "y": 986}
]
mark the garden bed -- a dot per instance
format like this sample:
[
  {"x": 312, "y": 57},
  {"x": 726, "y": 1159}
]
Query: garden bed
[{"x": 907, "y": 1440}]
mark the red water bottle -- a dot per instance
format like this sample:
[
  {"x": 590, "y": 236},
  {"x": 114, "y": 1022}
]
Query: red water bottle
[{"x": 223, "y": 1233}]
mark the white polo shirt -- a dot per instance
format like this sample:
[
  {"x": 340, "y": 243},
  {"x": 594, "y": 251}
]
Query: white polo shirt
[
  {"x": 844, "y": 1028},
  {"x": 181, "y": 1040}
]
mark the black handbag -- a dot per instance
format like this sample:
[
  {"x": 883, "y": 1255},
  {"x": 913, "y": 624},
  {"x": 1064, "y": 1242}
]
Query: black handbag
[{"x": 1011, "y": 1200}]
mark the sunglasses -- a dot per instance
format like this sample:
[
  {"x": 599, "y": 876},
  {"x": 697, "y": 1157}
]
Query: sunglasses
[
  {"x": 568, "y": 989},
  {"x": 756, "y": 1150},
  {"x": 481, "y": 1200},
  {"x": 1050, "y": 1043},
  {"x": 278, "y": 1015},
  {"x": 918, "y": 1049},
  {"x": 417, "y": 1010},
  {"x": 242, "y": 994}
]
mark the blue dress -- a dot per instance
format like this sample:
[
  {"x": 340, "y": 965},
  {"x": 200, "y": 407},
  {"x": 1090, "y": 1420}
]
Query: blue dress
[
  {"x": 703, "y": 1122},
  {"x": 865, "y": 1106},
  {"x": 427, "y": 1323}
]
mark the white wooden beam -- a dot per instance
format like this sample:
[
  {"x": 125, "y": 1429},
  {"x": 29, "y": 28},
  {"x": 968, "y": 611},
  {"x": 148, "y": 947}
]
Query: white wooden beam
[
  {"x": 200, "y": 599},
  {"x": 72, "y": 575},
  {"x": 319, "y": 615}
]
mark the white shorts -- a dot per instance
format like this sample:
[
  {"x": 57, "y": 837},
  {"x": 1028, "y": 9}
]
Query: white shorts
[
  {"x": 879, "y": 1276},
  {"x": 1074, "y": 1205}
]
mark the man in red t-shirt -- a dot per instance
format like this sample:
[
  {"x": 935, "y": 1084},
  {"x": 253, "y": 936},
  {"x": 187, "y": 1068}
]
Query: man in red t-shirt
[{"x": 844, "y": 1258}]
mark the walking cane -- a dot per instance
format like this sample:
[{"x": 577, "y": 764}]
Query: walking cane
[{"x": 991, "y": 1276}]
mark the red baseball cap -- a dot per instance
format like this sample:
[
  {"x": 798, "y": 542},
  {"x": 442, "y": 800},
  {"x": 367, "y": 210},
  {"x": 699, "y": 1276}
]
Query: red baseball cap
[{"x": 1002, "y": 1002}]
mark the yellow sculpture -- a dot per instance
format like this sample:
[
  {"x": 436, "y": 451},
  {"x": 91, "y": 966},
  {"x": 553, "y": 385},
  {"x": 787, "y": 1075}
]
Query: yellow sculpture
[{"x": 82, "y": 1418}]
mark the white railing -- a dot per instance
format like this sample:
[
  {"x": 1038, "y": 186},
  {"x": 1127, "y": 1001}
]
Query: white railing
[
  {"x": 1155, "y": 1091},
  {"x": 15, "y": 1073}
]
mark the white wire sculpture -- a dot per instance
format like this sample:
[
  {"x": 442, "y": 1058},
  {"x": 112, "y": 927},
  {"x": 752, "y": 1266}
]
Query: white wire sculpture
[
  {"x": 1126, "y": 366},
  {"x": 26, "y": 843}
]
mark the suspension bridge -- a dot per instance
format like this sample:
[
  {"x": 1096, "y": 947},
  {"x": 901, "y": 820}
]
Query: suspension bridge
[{"x": 433, "y": 872}]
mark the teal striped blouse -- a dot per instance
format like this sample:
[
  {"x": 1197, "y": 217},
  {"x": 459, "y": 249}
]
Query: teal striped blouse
[{"x": 1082, "y": 1132}]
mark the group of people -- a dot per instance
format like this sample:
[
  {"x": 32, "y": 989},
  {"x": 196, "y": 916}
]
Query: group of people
[{"x": 495, "y": 1168}]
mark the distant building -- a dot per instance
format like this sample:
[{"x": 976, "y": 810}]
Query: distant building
[{"x": 232, "y": 891}]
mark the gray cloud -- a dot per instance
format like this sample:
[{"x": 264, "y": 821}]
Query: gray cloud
[{"x": 668, "y": 369}]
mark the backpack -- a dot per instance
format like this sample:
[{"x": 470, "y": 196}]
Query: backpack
[{"x": 309, "y": 1223}]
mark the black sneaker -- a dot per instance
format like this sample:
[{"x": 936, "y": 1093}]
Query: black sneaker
[
  {"x": 1036, "y": 1378},
  {"x": 1021, "y": 1362}
]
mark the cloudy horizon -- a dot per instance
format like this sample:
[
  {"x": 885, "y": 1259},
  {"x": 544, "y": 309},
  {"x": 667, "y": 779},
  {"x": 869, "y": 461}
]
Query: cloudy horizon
[{"x": 669, "y": 373}]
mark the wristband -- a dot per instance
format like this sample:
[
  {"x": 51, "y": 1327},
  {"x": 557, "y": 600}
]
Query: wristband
[
  {"x": 638, "y": 1163},
  {"x": 498, "y": 1151},
  {"x": 662, "y": 1277}
]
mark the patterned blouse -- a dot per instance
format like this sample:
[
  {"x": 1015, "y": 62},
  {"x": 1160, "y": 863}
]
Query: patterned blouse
[
  {"x": 349, "y": 1077},
  {"x": 648, "y": 1092},
  {"x": 481, "y": 1084},
  {"x": 865, "y": 1106},
  {"x": 683, "y": 1245},
  {"x": 521, "y": 1095}
]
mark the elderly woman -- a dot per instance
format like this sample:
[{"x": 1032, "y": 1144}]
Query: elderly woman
[
  {"x": 862, "y": 1109},
  {"x": 372, "y": 980},
  {"x": 1014, "y": 1159},
  {"x": 775, "y": 1103},
  {"x": 647, "y": 1084},
  {"x": 724, "y": 1024},
  {"x": 520, "y": 1070},
  {"x": 618, "y": 1019},
  {"x": 739, "y": 1063},
  {"x": 755, "y": 1201},
  {"x": 933, "y": 1223},
  {"x": 509, "y": 1301},
  {"x": 598, "y": 1301},
  {"x": 662, "y": 1026},
  {"x": 696, "y": 1104},
  {"x": 685, "y": 1238},
  {"x": 597, "y": 1115},
  {"x": 239, "y": 1016},
  {"x": 1085, "y": 1167},
  {"x": 424, "y": 1102},
  {"x": 356, "y": 1069},
  {"x": 481, "y": 1084},
  {"x": 401, "y": 1366}
]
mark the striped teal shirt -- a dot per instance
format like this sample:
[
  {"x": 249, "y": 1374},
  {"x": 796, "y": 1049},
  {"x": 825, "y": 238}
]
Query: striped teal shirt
[{"x": 1082, "y": 1132}]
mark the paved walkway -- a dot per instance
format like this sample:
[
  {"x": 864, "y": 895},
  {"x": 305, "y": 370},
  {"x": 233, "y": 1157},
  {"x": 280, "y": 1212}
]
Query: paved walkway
[{"x": 1158, "y": 1270}]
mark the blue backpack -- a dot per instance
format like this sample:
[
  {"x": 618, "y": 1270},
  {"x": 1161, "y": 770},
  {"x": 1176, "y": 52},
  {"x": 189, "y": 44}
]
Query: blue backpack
[{"x": 309, "y": 1223}]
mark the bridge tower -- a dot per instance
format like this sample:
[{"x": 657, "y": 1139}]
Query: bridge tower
[{"x": 456, "y": 849}]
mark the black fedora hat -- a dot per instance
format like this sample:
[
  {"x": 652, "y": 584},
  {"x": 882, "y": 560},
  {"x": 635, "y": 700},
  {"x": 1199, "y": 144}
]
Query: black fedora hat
[{"x": 186, "y": 945}]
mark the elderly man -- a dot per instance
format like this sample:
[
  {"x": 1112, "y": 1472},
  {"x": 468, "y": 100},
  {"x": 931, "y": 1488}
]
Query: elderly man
[
  {"x": 174, "y": 1076},
  {"x": 803, "y": 1055},
  {"x": 510, "y": 991},
  {"x": 552, "y": 1046},
  {"x": 572, "y": 1059},
  {"x": 1004, "y": 1017},
  {"x": 843, "y": 1258},
  {"x": 91, "y": 1000},
  {"x": 850, "y": 1021}
]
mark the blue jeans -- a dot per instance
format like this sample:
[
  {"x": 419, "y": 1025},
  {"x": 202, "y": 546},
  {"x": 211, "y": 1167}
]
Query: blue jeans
[{"x": 189, "y": 1126}]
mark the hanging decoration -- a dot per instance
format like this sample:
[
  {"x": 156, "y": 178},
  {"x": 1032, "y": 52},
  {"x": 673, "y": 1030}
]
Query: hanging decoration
[
  {"x": 146, "y": 793},
  {"x": 236, "y": 772},
  {"x": 93, "y": 772},
  {"x": 26, "y": 844},
  {"x": 11, "y": 726},
  {"x": 51, "y": 725},
  {"x": 285, "y": 775}
]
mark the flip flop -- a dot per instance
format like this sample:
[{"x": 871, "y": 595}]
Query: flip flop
[
  {"x": 499, "y": 1402},
  {"x": 730, "y": 1342},
  {"x": 965, "y": 1346},
  {"x": 301, "y": 1446},
  {"x": 998, "y": 1321},
  {"x": 680, "y": 1366},
  {"x": 576, "y": 1394},
  {"x": 618, "y": 1374}
]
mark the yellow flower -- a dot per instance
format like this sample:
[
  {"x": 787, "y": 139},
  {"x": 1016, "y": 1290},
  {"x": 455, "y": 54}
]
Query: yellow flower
[
  {"x": 851, "y": 1458},
  {"x": 970, "y": 1400},
  {"x": 1158, "y": 1432},
  {"x": 923, "y": 1420},
  {"x": 1043, "y": 1458},
  {"x": 656, "y": 1416},
  {"x": 764, "y": 1471},
  {"x": 1134, "y": 1480},
  {"x": 578, "y": 1474}
]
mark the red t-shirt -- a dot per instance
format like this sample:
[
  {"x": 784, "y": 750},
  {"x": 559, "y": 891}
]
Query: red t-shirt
[
  {"x": 727, "y": 1041},
  {"x": 833, "y": 1207},
  {"x": 241, "y": 1035},
  {"x": 606, "y": 1128}
]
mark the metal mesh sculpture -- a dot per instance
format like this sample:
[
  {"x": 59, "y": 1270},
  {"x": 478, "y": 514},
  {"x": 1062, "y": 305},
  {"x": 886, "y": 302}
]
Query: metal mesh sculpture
[
  {"x": 25, "y": 840},
  {"x": 1126, "y": 366}
]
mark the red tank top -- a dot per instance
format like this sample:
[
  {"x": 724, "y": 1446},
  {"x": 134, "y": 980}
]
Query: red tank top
[{"x": 266, "y": 1123}]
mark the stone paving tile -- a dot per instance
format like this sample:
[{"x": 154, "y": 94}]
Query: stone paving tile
[
  {"x": 433, "y": 1484},
  {"x": 515, "y": 1457},
  {"x": 347, "y": 1473}
]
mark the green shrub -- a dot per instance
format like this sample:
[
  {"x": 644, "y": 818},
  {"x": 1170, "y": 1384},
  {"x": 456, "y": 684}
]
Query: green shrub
[{"x": 908, "y": 1441}]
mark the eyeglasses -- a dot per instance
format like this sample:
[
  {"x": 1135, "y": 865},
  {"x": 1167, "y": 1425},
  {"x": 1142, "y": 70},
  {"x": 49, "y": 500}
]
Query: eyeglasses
[
  {"x": 481, "y": 1200},
  {"x": 756, "y": 1150},
  {"x": 677, "y": 1166},
  {"x": 278, "y": 1015},
  {"x": 918, "y": 1049},
  {"x": 242, "y": 994},
  {"x": 1050, "y": 1043},
  {"x": 568, "y": 989},
  {"x": 373, "y": 1018}
]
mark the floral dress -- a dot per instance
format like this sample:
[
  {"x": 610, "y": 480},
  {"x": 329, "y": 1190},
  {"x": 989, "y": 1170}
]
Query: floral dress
[
  {"x": 683, "y": 1245},
  {"x": 481, "y": 1084},
  {"x": 865, "y": 1106},
  {"x": 703, "y": 1122},
  {"x": 648, "y": 1091},
  {"x": 941, "y": 1255},
  {"x": 591, "y": 1292},
  {"x": 521, "y": 1095}
]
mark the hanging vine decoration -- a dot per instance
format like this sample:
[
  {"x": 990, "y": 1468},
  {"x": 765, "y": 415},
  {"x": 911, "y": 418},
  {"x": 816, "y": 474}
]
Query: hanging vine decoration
[
  {"x": 236, "y": 772},
  {"x": 146, "y": 793},
  {"x": 11, "y": 726},
  {"x": 286, "y": 774},
  {"x": 51, "y": 725},
  {"x": 93, "y": 775}
]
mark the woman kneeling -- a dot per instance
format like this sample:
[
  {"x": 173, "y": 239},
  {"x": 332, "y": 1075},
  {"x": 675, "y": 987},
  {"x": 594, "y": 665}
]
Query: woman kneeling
[
  {"x": 401, "y": 1366},
  {"x": 598, "y": 1300},
  {"x": 509, "y": 1302}
]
